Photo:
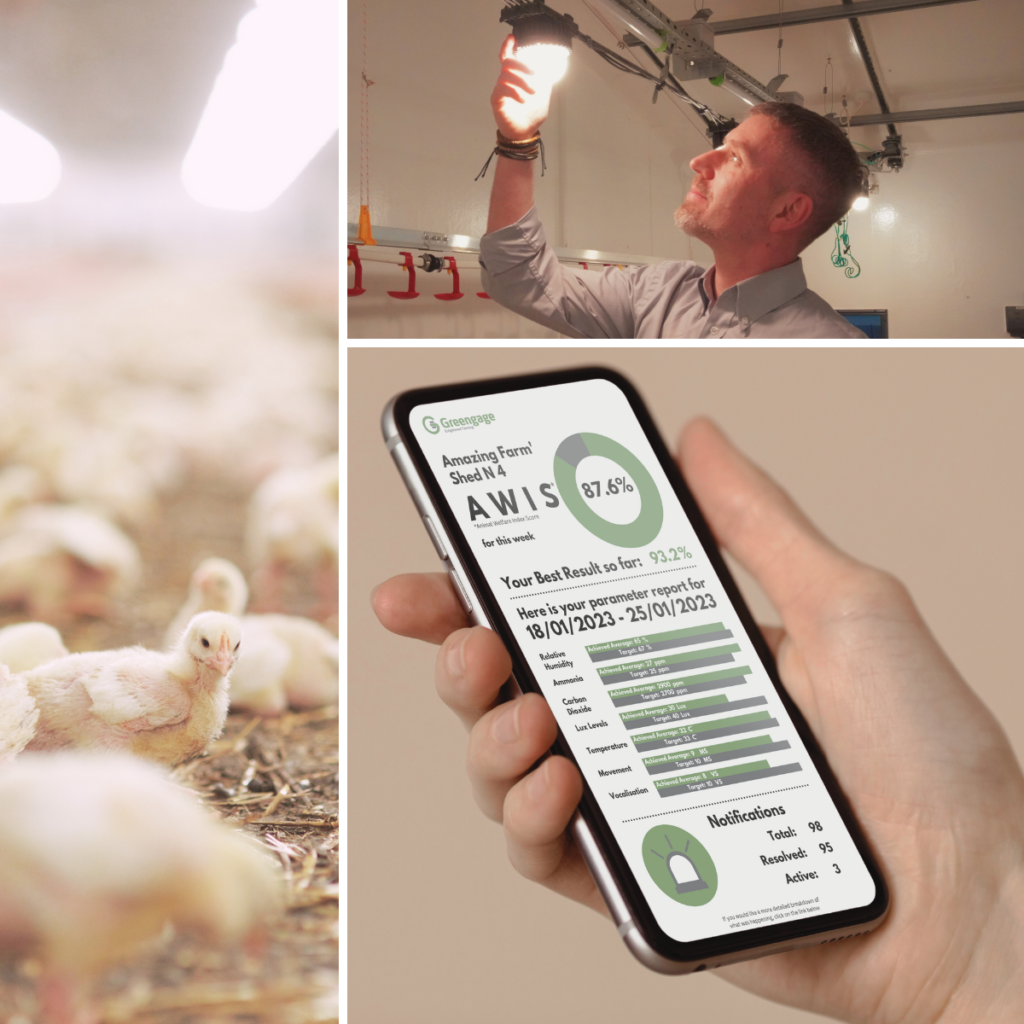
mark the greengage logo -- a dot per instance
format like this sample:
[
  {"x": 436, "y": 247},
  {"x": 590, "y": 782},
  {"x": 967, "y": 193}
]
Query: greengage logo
[{"x": 433, "y": 426}]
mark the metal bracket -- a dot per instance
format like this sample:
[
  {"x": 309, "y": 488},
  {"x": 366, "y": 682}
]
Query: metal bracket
[{"x": 683, "y": 41}]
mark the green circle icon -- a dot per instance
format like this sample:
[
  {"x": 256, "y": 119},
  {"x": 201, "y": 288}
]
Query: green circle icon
[
  {"x": 680, "y": 866},
  {"x": 571, "y": 452}
]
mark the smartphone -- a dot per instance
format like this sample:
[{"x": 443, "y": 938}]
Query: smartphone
[{"x": 710, "y": 820}]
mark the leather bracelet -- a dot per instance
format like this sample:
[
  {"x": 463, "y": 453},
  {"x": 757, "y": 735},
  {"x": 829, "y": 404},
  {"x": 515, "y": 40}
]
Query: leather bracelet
[
  {"x": 503, "y": 141},
  {"x": 528, "y": 149}
]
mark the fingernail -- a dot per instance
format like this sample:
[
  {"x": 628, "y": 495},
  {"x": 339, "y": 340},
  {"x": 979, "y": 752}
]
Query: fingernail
[
  {"x": 455, "y": 659},
  {"x": 506, "y": 724},
  {"x": 537, "y": 783}
]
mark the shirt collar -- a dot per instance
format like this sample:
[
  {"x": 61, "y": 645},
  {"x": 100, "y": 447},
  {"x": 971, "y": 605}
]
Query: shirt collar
[{"x": 753, "y": 298}]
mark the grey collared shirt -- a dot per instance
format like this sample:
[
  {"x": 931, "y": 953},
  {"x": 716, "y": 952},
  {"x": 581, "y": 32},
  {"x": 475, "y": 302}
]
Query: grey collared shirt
[{"x": 663, "y": 300}]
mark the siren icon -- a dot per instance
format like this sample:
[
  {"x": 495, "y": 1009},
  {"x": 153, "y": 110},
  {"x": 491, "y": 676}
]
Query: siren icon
[
  {"x": 680, "y": 866},
  {"x": 684, "y": 872}
]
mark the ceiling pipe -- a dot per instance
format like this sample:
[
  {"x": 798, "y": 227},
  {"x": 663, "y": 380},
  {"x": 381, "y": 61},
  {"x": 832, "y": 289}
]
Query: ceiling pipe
[
  {"x": 940, "y": 113},
  {"x": 869, "y": 64},
  {"x": 862, "y": 8}
]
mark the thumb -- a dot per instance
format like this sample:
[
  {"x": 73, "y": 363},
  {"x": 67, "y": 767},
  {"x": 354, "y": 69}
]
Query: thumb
[
  {"x": 507, "y": 48},
  {"x": 760, "y": 525}
]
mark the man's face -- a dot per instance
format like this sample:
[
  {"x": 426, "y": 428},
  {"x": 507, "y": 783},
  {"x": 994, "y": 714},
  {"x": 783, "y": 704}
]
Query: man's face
[{"x": 736, "y": 185}]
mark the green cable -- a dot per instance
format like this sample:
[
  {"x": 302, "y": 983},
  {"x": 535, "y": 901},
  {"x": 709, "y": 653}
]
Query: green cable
[{"x": 842, "y": 249}]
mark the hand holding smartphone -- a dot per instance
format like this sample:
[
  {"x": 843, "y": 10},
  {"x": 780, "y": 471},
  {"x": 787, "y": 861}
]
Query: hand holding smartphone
[{"x": 709, "y": 818}]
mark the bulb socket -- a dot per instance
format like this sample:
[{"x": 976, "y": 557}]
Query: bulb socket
[{"x": 534, "y": 23}]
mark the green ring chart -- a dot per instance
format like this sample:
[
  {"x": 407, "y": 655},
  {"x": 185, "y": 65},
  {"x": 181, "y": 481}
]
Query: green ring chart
[{"x": 642, "y": 530}]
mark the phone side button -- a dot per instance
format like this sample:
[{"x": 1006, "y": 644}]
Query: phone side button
[
  {"x": 435, "y": 537},
  {"x": 460, "y": 591}
]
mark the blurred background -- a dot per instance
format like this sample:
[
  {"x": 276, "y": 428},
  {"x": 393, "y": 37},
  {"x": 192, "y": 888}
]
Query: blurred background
[{"x": 168, "y": 377}]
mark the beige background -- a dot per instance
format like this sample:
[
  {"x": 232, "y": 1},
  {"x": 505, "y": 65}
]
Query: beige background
[{"x": 909, "y": 459}]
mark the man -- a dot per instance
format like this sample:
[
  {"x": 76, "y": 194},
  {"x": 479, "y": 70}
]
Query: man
[{"x": 782, "y": 178}]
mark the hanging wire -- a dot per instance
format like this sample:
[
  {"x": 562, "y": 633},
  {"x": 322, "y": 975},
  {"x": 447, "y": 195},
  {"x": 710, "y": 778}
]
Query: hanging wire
[
  {"x": 364, "y": 123},
  {"x": 829, "y": 72},
  {"x": 780, "y": 38},
  {"x": 604, "y": 21},
  {"x": 841, "y": 250}
]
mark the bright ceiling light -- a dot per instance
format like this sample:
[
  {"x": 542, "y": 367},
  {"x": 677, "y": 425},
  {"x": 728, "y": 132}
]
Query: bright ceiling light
[
  {"x": 273, "y": 106},
  {"x": 861, "y": 202},
  {"x": 30, "y": 168},
  {"x": 543, "y": 39}
]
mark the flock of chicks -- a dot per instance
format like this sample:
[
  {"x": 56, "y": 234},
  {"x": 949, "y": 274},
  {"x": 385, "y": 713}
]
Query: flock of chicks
[{"x": 76, "y": 731}]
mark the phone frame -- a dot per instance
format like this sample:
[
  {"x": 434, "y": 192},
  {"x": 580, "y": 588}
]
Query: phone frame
[{"x": 629, "y": 907}]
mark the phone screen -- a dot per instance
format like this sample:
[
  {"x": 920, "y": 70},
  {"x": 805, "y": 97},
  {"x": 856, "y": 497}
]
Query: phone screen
[{"x": 657, "y": 687}]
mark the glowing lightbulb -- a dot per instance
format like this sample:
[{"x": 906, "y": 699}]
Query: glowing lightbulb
[
  {"x": 548, "y": 61},
  {"x": 861, "y": 203},
  {"x": 30, "y": 168}
]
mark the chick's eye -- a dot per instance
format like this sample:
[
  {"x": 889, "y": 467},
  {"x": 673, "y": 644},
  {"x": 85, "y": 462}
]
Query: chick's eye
[
  {"x": 206, "y": 643},
  {"x": 239, "y": 644}
]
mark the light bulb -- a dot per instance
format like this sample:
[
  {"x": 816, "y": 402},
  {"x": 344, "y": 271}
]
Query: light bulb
[
  {"x": 548, "y": 61},
  {"x": 861, "y": 203}
]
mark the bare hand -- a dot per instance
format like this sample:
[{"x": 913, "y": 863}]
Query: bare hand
[
  {"x": 520, "y": 98},
  {"x": 931, "y": 776}
]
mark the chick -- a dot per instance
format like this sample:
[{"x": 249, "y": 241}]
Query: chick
[
  {"x": 18, "y": 716},
  {"x": 286, "y": 660},
  {"x": 292, "y": 529},
  {"x": 217, "y": 585},
  {"x": 59, "y": 561},
  {"x": 165, "y": 707},
  {"x": 97, "y": 854},
  {"x": 28, "y": 644}
]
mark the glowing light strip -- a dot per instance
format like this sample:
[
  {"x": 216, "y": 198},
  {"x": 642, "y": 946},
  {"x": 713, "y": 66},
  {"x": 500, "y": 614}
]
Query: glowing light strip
[
  {"x": 273, "y": 106},
  {"x": 30, "y": 165}
]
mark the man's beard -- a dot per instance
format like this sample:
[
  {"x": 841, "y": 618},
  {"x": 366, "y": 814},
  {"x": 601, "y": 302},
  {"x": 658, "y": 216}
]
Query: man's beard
[{"x": 688, "y": 221}]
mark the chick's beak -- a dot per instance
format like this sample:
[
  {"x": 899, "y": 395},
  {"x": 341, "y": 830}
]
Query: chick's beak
[{"x": 223, "y": 660}]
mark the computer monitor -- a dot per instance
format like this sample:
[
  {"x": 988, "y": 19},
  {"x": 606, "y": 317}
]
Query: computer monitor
[{"x": 873, "y": 322}]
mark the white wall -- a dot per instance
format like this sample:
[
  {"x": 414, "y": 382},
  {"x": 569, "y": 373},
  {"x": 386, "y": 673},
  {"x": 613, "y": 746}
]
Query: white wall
[{"x": 940, "y": 247}]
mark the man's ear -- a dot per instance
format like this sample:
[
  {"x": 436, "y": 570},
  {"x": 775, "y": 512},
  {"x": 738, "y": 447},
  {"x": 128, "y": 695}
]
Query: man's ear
[{"x": 790, "y": 212}]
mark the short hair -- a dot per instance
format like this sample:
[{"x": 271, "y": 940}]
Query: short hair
[{"x": 838, "y": 176}]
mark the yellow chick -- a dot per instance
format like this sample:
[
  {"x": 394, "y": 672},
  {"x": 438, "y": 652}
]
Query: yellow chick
[
  {"x": 165, "y": 707},
  {"x": 28, "y": 644},
  {"x": 286, "y": 660},
  {"x": 98, "y": 853}
]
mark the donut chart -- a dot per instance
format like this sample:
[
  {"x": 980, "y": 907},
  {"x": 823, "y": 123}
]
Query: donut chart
[{"x": 642, "y": 530}]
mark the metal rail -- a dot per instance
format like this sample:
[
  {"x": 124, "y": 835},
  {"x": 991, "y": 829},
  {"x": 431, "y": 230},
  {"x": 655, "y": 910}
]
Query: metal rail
[
  {"x": 432, "y": 241},
  {"x": 858, "y": 9},
  {"x": 940, "y": 113}
]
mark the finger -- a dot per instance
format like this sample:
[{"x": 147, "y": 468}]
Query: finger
[
  {"x": 536, "y": 814},
  {"x": 505, "y": 91},
  {"x": 420, "y": 605},
  {"x": 504, "y": 744},
  {"x": 508, "y": 46},
  {"x": 472, "y": 665},
  {"x": 773, "y": 635},
  {"x": 517, "y": 75},
  {"x": 761, "y": 525}
]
